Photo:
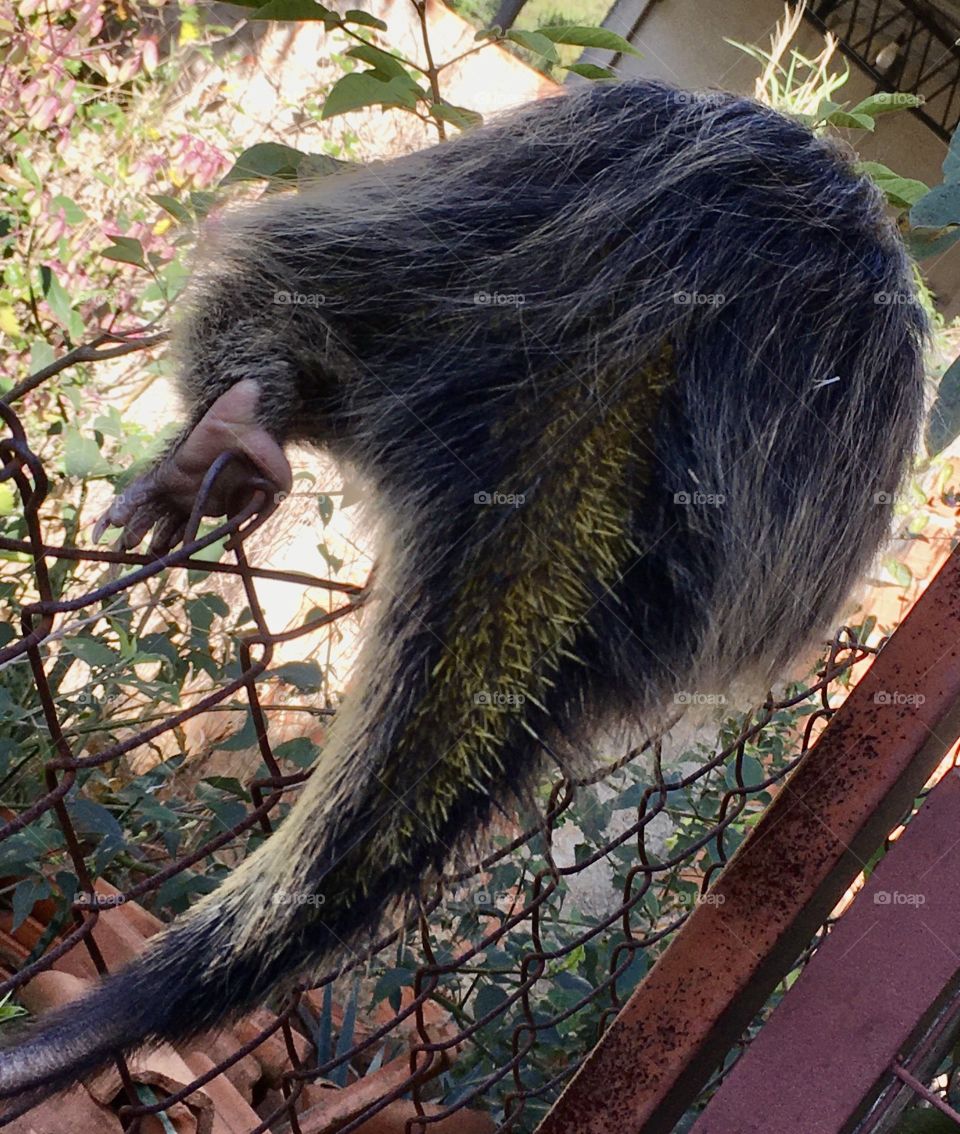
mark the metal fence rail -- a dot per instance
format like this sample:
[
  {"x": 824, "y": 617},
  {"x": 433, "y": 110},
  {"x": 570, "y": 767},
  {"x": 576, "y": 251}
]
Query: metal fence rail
[
  {"x": 869, "y": 765},
  {"x": 857, "y": 1005}
]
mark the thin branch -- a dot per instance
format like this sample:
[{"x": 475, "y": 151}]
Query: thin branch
[
  {"x": 400, "y": 58},
  {"x": 432, "y": 72},
  {"x": 473, "y": 51},
  {"x": 87, "y": 352}
]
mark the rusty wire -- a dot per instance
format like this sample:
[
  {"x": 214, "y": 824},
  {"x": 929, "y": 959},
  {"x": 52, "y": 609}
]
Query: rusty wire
[{"x": 522, "y": 917}]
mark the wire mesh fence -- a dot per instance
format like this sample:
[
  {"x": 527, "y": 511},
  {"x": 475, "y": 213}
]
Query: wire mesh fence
[{"x": 481, "y": 1001}]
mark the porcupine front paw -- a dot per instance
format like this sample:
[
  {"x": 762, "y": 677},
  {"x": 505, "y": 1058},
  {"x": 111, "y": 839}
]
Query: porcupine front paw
[{"x": 163, "y": 498}]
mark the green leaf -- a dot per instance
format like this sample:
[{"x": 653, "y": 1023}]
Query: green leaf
[
  {"x": 228, "y": 811},
  {"x": 751, "y": 772},
  {"x": 925, "y": 1121},
  {"x": 94, "y": 818},
  {"x": 245, "y": 738},
  {"x": 591, "y": 71},
  {"x": 20, "y": 853},
  {"x": 356, "y": 16},
  {"x": 631, "y": 797},
  {"x": 580, "y": 36},
  {"x": 943, "y": 424},
  {"x": 229, "y": 784},
  {"x": 29, "y": 172},
  {"x": 536, "y": 42},
  {"x": 901, "y": 191},
  {"x": 315, "y": 166},
  {"x": 265, "y": 161},
  {"x": 92, "y": 651},
  {"x": 363, "y": 88},
  {"x": 489, "y": 998},
  {"x": 202, "y": 201},
  {"x": 848, "y": 120},
  {"x": 55, "y": 295},
  {"x": 299, "y": 751},
  {"x": 178, "y": 892},
  {"x": 325, "y": 506},
  {"x": 951, "y": 163},
  {"x": 866, "y": 628},
  {"x": 71, "y": 209},
  {"x": 41, "y": 355},
  {"x": 10, "y": 1011},
  {"x": 459, "y": 116},
  {"x": 213, "y": 553},
  {"x": 938, "y": 208},
  {"x": 160, "y": 645},
  {"x": 388, "y": 66},
  {"x": 899, "y": 572},
  {"x": 345, "y": 1039},
  {"x": 303, "y": 675},
  {"x": 205, "y": 607},
  {"x": 293, "y": 10},
  {"x": 885, "y": 102},
  {"x": 925, "y": 242},
  {"x": 571, "y": 982},
  {"x": 172, "y": 206},
  {"x": 82, "y": 456},
  {"x": 391, "y": 985},
  {"x": 25, "y": 896},
  {"x": 126, "y": 250},
  {"x": 110, "y": 423},
  {"x": 634, "y": 972}
]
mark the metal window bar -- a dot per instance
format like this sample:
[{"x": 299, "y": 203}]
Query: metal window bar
[{"x": 922, "y": 32}]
